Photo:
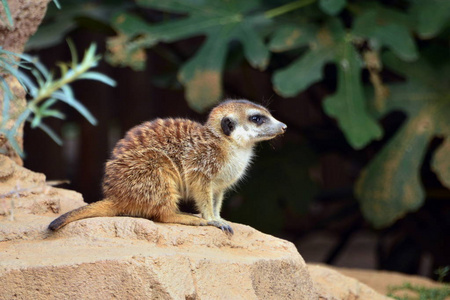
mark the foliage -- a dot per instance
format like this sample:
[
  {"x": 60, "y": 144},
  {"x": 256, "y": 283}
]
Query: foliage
[
  {"x": 419, "y": 292},
  {"x": 422, "y": 292},
  {"x": 46, "y": 93},
  {"x": 388, "y": 56}
]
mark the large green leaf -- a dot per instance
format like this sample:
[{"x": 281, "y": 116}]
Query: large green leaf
[
  {"x": 430, "y": 16},
  {"x": 303, "y": 72},
  {"x": 328, "y": 44},
  {"x": 441, "y": 162},
  {"x": 332, "y": 7},
  {"x": 381, "y": 31},
  {"x": 220, "y": 21},
  {"x": 292, "y": 36},
  {"x": 389, "y": 186},
  {"x": 307, "y": 69},
  {"x": 348, "y": 105}
]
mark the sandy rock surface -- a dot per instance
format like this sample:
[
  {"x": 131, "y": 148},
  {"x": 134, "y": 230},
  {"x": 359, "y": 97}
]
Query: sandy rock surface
[
  {"x": 381, "y": 281},
  {"x": 129, "y": 257},
  {"x": 332, "y": 285}
]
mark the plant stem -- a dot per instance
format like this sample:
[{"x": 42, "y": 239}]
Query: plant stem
[
  {"x": 61, "y": 82},
  {"x": 275, "y": 12}
]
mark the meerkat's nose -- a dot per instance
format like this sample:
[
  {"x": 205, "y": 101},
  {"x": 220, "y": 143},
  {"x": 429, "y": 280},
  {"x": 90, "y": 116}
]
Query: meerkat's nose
[{"x": 283, "y": 127}]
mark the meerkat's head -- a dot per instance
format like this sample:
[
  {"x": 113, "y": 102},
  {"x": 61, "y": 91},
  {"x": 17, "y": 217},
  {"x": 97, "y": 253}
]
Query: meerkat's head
[{"x": 244, "y": 123}]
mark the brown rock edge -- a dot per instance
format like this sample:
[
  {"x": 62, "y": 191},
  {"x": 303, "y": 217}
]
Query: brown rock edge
[{"x": 133, "y": 258}]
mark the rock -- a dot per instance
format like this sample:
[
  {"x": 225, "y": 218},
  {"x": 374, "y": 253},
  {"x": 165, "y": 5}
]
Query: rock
[
  {"x": 332, "y": 285},
  {"x": 27, "y": 203},
  {"x": 381, "y": 281},
  {"x": 132, "y": 258}
]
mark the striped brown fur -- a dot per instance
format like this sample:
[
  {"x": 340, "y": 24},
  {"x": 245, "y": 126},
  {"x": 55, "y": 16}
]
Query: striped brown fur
[{"x": 159, "y": 163}]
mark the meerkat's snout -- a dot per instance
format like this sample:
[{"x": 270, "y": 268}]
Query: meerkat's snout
[{"x": 283, "y": 127}]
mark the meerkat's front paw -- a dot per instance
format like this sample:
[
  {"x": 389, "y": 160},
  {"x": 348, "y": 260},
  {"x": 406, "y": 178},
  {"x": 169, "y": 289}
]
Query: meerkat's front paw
[{"x": 221, "y": 224}]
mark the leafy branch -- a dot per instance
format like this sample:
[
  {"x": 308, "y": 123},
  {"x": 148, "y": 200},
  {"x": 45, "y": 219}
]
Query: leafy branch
[{"x": 45, "y": 90}]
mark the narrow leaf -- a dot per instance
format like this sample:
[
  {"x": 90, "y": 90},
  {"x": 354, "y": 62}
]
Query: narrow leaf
[
  {"x": 7, "y": 96},
  {"x": 10, "y": 136},
  {"x": 57, "y": 4},
  {"x": 36, "y": 121},
  {"x": 48, "y": 103},
  {"x": 53, "y": 113},
  {"x": 77, "y": 105},
  {"x": 8, "y": 12},
  {"x": 50, "y": 133},
  {"x": 99, "y": 77}
]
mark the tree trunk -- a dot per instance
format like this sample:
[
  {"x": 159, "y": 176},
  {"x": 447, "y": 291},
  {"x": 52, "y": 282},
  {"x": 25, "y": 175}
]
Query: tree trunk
[{"x": 26, "y": 15}]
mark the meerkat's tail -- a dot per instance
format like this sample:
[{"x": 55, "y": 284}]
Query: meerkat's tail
[{"x": 104, "y": 208}]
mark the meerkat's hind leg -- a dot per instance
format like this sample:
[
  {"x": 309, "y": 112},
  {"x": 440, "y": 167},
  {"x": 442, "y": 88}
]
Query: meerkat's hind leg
[
  {"x": 182, "y": 218},
  {"x": 188, "y": 219}
]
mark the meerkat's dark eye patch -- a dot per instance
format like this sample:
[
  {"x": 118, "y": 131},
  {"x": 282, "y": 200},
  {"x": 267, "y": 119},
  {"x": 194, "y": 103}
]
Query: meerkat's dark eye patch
[
  {"x": 257, "y": 119},
  {"x": 228, "y": 125}
]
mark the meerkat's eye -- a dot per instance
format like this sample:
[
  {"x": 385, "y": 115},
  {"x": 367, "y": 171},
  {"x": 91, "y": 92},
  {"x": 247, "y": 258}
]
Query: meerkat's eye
[{"x": 257, "y": 119}]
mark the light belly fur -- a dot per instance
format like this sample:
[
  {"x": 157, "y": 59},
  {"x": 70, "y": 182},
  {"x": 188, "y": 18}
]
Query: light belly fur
[{"x": 237, "y": 164}]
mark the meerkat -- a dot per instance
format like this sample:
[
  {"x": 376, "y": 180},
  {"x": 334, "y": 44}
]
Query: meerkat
[{"x": 160, "y": 163}]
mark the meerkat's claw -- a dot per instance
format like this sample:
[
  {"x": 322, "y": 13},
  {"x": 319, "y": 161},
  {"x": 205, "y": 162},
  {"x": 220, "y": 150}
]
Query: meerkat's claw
[{"x": 222, "y": 225}]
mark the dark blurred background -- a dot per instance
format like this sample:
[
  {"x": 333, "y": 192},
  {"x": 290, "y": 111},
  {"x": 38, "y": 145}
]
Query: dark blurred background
[{"x": 300, "y": 186}]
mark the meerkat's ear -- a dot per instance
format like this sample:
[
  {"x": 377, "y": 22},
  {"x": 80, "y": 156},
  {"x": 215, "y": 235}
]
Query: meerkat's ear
[{"x": 228, "y": 125}]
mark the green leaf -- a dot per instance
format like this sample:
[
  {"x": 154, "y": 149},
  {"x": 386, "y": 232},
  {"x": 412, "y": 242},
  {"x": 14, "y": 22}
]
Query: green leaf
[
  {"x": 50, "y": 133},
  {"x": 430, "y": 16},
  {"x": 441, "y": 162},
  {"x": 75, "y": 104},
  {"x": 332, "y": 7},
  {"x": 302, "y": 72},
  {"x": 220, "y": 21},
  {"x": 292, "y": 36},
  {"x": 57, "y": 4},
  {"x": 348, "y": 105},
  {"x": 49, "y": 35},
  {"x": 255, "y": 50},
  {"x": 390, "y": 186},
  {"x": 202, "y": 75},
  {"x": 7, "y": 12},
  {"x": 98, "y": 77},
  {"x": 7, "y": 97},
  {"x": 395, "y": 36},
  {"x": 53, "y": 113}
]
